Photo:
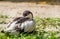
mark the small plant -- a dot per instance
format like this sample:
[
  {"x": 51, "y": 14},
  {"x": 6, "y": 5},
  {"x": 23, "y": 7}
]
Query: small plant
[
  {"x": 4, "y": 16},
  {"x": 3, "y": 19},
  {"x": 3, "y": 22}
]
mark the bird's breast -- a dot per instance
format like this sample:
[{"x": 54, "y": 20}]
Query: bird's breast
[{"x": 28, "y": 26}]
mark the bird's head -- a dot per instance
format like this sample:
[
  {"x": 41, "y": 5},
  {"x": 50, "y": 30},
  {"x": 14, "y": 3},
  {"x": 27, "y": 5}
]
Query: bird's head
[{"x": 28, "y": 14}]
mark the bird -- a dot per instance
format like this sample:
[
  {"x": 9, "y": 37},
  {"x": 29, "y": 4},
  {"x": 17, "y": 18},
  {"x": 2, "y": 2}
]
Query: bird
[{"x": 22, "y": 24}]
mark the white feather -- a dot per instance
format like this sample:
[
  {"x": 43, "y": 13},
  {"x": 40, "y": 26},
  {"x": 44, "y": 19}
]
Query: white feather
[
  {"x": 28, "y": 26},
  {"x": 11, "y": 27}
]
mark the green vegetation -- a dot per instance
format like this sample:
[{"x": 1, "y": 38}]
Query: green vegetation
[
  {"x": 3, "y": 19},
  {"x": 3, "y": 22},
  {"x": 39, "y": 32},
  {"x": 4, "y": 16}
]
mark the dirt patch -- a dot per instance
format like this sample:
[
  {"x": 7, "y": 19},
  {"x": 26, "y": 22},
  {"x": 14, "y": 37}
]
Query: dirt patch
[{"x": 41, "y": 10}]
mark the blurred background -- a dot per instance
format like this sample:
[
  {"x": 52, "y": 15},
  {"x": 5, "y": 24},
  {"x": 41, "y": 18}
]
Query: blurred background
[
  {"x": 41, "y": 8},
  {"x": 36, "y": 1}
]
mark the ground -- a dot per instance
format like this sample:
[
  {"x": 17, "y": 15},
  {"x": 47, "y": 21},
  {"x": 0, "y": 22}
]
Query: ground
[{"x": 42, "y": 10}]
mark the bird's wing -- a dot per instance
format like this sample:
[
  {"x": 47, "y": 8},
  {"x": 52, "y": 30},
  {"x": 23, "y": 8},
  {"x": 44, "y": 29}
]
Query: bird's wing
[
  {"x": 22, "y": 23},
  {"x": 17, "y": 18},
  {"x": 13, "y": 21},
  {"x": 16, "y": 23},
  {"x": 23, "y": 19}
]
